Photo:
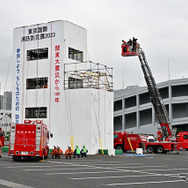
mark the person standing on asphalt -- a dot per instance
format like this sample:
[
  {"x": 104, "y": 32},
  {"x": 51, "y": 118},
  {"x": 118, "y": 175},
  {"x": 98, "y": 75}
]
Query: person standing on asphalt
[
  {"x": 77, "y": 152},
  {"x": 68, "y": 153},
  {"x": 0, "y": 147},
  {"x": 84, "y": 151}
]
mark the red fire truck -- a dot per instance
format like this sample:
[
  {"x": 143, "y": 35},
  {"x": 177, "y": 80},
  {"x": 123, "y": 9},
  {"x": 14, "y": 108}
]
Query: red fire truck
[
  {"x": 127, "y": 142},
  {"x": 166, "y": 136},
  {"x": 2, "y": 136},
  {"x": 29, "y": 140},
  {"x": 183, "y": 137}
]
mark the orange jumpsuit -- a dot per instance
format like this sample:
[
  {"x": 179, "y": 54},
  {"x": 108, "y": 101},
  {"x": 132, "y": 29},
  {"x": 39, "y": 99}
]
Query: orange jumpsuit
[
  {"x": 68, "y": 153},
  {"x": 54, "y": 152},
  {"x": 59, "y": 153}
]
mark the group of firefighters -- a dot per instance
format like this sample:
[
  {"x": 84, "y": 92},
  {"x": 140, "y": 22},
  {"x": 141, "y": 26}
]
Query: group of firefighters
[{"x": 57, "y": 152}]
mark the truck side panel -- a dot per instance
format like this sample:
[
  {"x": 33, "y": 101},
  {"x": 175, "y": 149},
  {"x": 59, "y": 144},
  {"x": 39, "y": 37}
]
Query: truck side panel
[{"x": 134, "y": 139}]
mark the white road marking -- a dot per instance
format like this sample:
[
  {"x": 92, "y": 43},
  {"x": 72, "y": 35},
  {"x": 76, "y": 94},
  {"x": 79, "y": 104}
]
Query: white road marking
[
  {"x": 119, "y": 177},
  {"x": 122, "y": 167},
  {"x": 169, "y": 169},
  {"x": 142, "y": 183},
  {"x": 70, "y": 173},
  {"x": 49, "y": 166},
  {"x": 73, "y": 161},
  {"x": 13, "y": 185},
  {"x": 56, "y": 169},
  {"x": 117, "y": 164}
]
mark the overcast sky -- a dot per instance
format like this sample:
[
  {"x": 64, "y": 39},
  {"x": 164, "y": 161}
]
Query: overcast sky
[{"x": 161, "y": 27}]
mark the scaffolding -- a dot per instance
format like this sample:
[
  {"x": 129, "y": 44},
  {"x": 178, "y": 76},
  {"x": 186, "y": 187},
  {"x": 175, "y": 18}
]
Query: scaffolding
[{"x": 88, "y": 75}]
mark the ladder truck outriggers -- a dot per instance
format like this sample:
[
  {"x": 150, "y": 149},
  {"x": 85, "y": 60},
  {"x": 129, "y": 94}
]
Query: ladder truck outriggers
[{"x": 166, "y": 136}]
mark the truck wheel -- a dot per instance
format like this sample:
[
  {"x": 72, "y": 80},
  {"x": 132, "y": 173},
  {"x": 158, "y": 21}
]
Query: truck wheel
[
  {"x": 150, "y": 149},
  {"x": 118, "y": 147},
  {"x": 160, "y": 149}
]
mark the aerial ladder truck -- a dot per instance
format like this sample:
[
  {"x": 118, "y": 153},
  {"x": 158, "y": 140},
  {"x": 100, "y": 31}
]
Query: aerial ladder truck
[{"x": 166, "y": 134}]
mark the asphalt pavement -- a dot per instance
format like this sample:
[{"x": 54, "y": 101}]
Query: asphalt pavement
[{"x": 155, "y": 170}]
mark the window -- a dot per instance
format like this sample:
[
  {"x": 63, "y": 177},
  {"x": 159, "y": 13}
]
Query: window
[
  {"x": 164, "y": 92},
  {"x": 37, "y": 83},
  {"x": 117, "y": 123},
  {"x": 40, "y": 112},
  {"x": 130, "y": 102},
  {"x": 118, "y": 105},
  {"x": 180, "y": 110},
  {"x": 144, "y": 98},
  {"x": 130, "y": 120},
  {"x": 180, "y": 90},
  {"x": 36, "y": 54},
  {"x": 145, "y": 117},
  {"x": 75, "y": 54},
  {"x": 185, "y": 136},
  {"x": 75, "y": 83},
  {"x": 115, "y": 135}
]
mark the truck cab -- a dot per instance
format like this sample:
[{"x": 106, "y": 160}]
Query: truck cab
[
  {"x": 183, "y": 138},
  {"x": 118, "y": 140}
]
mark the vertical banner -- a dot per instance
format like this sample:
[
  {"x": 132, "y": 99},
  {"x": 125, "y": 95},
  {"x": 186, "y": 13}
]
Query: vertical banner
[
  {"x": 17, "y": 91},
  {"x": 57, "y": 69}
]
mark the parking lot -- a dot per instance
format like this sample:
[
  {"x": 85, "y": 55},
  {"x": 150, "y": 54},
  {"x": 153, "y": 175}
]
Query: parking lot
[{"x": 156, "y": 170}]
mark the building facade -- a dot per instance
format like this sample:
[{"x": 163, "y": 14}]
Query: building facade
[
  {"x": 54, "y": 83},
  {"x": 6, "y": 111},
  {"x": 1, "y": 102},
  {"x": 7, "y": 100},
  {"x": 5, "y": 120},
  {"x": 133, "y": 111}
]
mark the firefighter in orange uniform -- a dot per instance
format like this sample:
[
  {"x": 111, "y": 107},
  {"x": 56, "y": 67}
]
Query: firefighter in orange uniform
[
  {"x": 68, "y": 153},
  {"x": 54, "y": 152},
  {"x": 59, "y": 153},
  {"x": 0, "y": 147}
]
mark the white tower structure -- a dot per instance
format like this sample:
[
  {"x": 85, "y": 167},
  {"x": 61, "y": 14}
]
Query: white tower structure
[{"x": 53, "y": 82}]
